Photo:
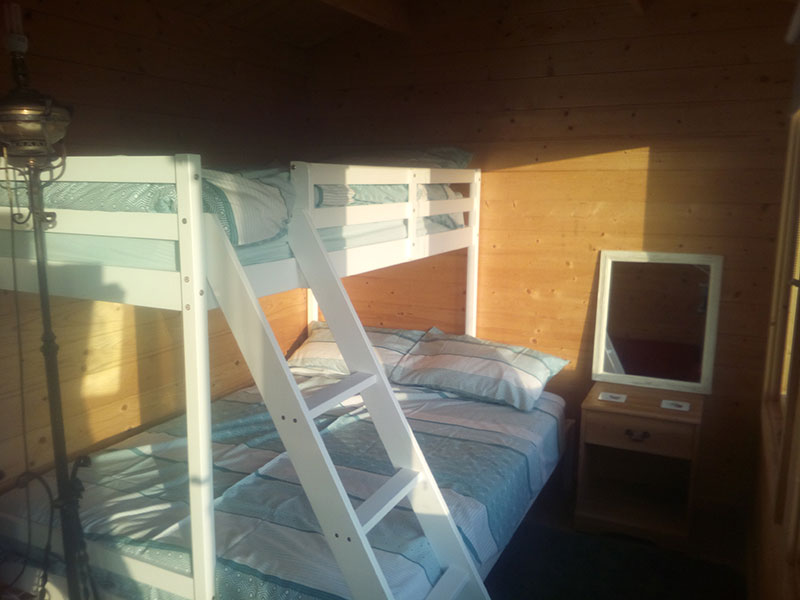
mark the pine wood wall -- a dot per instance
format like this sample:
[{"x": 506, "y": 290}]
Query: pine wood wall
[
  {"x": 596, "y": 128},
  {"x": 142, "y": 79}
]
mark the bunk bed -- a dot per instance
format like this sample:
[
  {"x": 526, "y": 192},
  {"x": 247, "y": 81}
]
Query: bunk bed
[{"x": 145, "y": 540}]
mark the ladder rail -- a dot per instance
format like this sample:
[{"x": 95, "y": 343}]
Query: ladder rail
[
  {"x": 378, "y": 505},
  {"x": 321, "y": 401},
  {"x": 401, "y": 445},
  {"x": 345, "y": 528},
  {"x": 296, "y": 428}
]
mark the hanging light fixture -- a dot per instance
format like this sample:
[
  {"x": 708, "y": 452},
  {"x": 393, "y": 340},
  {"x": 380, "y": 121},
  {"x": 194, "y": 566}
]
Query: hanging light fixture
[{"x": 31, "y": 124}]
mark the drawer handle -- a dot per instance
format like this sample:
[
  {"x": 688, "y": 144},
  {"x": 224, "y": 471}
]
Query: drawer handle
[{"x": 637, "y": 437}]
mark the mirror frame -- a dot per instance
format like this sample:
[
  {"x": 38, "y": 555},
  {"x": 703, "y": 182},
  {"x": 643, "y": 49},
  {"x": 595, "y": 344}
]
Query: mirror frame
[{"x": 607, "y": 260}]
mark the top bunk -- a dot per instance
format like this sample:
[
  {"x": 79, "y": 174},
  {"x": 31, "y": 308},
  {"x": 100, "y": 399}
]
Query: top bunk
[{"x": 125, "y": 227}]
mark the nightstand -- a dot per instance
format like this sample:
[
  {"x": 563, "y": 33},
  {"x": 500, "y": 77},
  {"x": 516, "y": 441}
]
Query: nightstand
[{"x": 637, "y": 461}]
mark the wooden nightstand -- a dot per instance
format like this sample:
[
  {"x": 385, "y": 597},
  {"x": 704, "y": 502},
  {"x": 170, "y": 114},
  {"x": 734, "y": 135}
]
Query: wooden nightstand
[{"x": 637, "y": 462}]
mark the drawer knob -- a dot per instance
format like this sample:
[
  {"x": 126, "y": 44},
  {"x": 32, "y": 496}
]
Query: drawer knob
[{"x": 637, "y": 437}]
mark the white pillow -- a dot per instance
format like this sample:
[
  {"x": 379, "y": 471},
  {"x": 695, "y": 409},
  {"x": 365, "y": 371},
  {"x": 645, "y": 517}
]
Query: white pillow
[
  {"x": 259, "y": 212},
  {"x": 478, "y": 369},
  {"x": 320, "y": 351}
]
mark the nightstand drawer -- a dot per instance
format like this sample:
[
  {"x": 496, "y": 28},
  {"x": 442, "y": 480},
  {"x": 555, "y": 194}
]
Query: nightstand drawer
[{"x": 653, "y": 436}]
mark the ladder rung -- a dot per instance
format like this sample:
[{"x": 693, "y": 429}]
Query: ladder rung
[
  {"x": 332, "y": 395},
  {"x": 449, "y": 585},
  {"x": 374, "y": 508}
]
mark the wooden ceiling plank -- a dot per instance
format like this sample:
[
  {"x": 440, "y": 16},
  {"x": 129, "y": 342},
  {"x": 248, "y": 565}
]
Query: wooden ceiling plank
[
  {"x": 388, "y": 14},
  {"x": 638, "y": 6}
]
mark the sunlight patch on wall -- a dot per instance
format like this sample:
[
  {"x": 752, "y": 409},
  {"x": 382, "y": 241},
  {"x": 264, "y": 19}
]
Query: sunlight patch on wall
[
  {"x": 543, "y": 224},
  {"x": 108, "y": 370}
]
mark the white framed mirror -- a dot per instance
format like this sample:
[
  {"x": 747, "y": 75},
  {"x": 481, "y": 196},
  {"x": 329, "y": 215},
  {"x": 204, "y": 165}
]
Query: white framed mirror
[{"x": 657, "y": 316}]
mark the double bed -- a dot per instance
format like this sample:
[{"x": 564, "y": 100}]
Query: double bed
[
  {"x": 212, "y": 495},
  {"x": 490, "y": 462}
]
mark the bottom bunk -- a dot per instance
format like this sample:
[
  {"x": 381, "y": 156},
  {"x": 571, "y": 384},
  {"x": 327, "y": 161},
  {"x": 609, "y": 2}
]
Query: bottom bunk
[{"x": 490, "y": 460}]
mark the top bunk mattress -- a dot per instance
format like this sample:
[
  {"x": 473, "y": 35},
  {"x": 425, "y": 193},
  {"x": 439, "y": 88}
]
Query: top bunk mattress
[
  {"x": 490, "y": 461},
  {"x": 253, "y": 207}
]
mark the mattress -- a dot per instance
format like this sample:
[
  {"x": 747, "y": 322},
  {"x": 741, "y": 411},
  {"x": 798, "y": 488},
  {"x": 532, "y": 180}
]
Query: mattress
[
  {"x": 254, "y": 212},
  {"x": 489, "y": 460}
]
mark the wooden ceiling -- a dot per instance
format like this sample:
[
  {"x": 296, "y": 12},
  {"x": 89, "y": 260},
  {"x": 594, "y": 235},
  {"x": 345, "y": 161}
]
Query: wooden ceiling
[
  {"x": 305, "y": 24},
  {"x": 302, "y": 24}
]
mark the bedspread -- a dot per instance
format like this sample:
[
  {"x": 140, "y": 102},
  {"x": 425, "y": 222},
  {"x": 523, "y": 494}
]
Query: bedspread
[{"x": 490, "y": 462}]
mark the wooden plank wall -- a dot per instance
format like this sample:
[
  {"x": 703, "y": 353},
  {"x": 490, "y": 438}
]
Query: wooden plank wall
[
  {"x": 120, "y": 367},
  {"x": 393, "y": 297},
  {"x": 142, "y": 79},
  {"x": 596, "y": 128}
]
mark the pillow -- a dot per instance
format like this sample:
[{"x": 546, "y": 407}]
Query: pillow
[
  {"x": 276, "y": 176},
  {"x": 320, "y": 351},
  {"x": 257, "y": 211},
  {"x": 478, "y": 369},
  {"x": 333, "y": 195},
  {"x": 359, "y": 194}
]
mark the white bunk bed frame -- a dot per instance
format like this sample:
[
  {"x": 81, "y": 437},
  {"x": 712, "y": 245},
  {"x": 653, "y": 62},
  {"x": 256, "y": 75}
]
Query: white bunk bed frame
[{"x": 186, "y": 289}]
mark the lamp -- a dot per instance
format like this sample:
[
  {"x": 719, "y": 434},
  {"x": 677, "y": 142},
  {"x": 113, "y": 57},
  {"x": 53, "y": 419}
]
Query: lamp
[{"x": 30, "y": 124}]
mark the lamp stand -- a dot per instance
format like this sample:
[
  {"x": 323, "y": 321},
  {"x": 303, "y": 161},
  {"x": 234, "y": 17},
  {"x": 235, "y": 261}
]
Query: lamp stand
[{"x": 69, "y": 489}]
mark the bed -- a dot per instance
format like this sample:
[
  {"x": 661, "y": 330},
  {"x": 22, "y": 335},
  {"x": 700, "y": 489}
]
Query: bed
[
  {"x": 135, "y": 511},
  {"x": 158, "y": 259}
]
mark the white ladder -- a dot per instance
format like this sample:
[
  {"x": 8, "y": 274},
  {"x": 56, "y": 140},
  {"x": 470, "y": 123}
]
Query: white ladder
[{"x": 344, "y": 527}]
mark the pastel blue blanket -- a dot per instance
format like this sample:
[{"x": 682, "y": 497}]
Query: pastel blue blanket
[{"x": 490, "y": 461}]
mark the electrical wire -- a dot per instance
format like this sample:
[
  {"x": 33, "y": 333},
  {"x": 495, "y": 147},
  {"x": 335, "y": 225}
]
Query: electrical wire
[{"x": 25, "y": 479}]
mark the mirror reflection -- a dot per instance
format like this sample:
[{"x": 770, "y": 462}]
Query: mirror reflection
[{"x": 657, "y": 319}]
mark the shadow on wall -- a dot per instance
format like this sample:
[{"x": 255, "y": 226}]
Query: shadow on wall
[{"x": 88, "y": 379}]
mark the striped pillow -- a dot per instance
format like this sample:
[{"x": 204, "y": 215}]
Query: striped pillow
[
  {"x": 320, "y": 351},
  {"x": 478, "y": 369},
  {"x": 254, "y": 211}
]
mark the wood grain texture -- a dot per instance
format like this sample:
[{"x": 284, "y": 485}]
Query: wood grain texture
[
  {"x": 390, "y": 14},
  {"x": 142, "y": 78},
  {"x": 121, "y": 368},
  {"x": 416, "y": 295},
  {"x": 596, "y": 128}
]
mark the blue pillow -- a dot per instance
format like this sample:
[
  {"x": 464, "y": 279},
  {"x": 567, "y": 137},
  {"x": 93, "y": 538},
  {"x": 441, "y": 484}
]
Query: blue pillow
[{"x": 478, "y": 369}]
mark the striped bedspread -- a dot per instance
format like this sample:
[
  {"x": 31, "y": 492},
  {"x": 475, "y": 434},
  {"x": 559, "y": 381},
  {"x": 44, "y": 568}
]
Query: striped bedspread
[{"x": 489, "y": 460}]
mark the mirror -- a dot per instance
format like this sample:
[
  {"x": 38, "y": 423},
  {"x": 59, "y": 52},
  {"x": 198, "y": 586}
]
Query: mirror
[{"x": 657, "y": 319}]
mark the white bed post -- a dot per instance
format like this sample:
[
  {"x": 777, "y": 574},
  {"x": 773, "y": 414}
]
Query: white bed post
[
  {"x": 412, "y": 212},
  {"x": 197, "y": 378},
  {"x": 312, "y": 307},
  {"x": 471, "y": 309},
  {"x": 301, "y": 176}
]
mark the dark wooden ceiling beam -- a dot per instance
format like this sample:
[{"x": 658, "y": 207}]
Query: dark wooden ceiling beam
[{"x": 388, "y": 14}]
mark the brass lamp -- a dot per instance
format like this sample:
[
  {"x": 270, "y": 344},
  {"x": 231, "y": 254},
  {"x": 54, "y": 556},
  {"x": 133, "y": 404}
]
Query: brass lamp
[{"x": 30, "y": 124}]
